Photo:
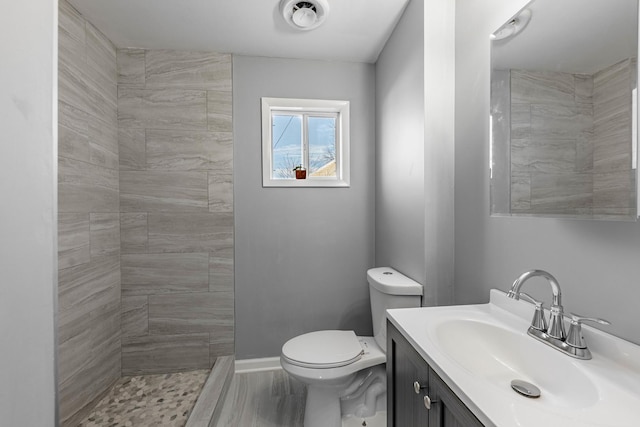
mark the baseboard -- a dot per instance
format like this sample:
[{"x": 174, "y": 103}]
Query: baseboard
[{"x": 257, "y": 365}]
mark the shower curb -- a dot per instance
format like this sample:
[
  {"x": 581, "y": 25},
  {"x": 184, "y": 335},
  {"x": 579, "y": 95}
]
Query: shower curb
[{"x": 208, "y": 407}]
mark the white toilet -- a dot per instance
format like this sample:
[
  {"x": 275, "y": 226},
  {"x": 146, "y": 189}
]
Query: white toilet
[{"x": 345, "y": 374}]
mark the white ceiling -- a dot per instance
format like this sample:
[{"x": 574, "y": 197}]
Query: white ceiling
[
  {"x": 575, "y": 36},
  {"x": 355, "y": 30}
]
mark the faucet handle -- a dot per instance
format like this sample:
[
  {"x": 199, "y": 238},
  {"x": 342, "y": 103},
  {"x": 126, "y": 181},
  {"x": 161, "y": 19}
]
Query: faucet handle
[
  {"x": 538, "y": 322},
  {"x": 574, "y": 336}
]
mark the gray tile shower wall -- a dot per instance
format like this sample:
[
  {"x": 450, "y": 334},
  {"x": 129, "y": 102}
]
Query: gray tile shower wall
[
  {"x": 145, "y": 212},
  {"x": 614, "y": 178},
  {"x": 176, "y": 202},
  {"x": 552, "y": 144},
  {"x": 89, "y": 347},
  {"x": 570, "y": 141}
]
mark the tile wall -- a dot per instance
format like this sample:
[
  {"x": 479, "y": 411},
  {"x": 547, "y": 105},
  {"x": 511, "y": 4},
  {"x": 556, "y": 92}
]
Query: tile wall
[
  {"x": 176, "y": 203},
  {"x": 570, "y": 141},
  {"x": 614, "y": 180},
  {"x": 145, "y": 212},
  {"x": 551, "y": 142},
  {"x": 89, "y": 220}
]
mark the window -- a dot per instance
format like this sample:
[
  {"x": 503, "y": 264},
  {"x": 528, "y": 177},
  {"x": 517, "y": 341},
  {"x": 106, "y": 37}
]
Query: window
[{"x": 308, "y": 133}]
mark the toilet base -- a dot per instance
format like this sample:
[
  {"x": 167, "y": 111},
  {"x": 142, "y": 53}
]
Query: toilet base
[
  {"x": 379, "y": 419},
  {"x": 367, "y": 393},
  {"x": 322, "y": 408},
  {"x": 361, "y": 395}
]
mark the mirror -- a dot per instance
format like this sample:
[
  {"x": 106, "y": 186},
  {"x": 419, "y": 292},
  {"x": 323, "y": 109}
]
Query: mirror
[{"x": 563, "y": 116}]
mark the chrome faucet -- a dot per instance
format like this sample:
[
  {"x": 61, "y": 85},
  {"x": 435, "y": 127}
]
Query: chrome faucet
[
  {"x": 554, "y": 335},
  {"x": 556, "y": 325}
]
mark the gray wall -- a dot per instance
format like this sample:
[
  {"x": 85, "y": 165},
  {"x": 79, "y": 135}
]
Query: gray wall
[
  {"x": 414, "y": 149},
  {"x": 301, "y": 253},
  {"x": 88, "y": 219},
  {"x": 176, "y": 198},
  {"x": 596, "y": 263},
  {"x": 28, "y": 215},
  {"x": 400, "y": 134},
  {"x": 440, "y": 90}
]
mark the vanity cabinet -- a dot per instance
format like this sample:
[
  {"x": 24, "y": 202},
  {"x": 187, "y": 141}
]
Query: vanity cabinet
[{"x": 416, "y": 395}]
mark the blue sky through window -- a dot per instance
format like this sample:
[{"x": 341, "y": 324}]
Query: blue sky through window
[
  {"x": 287, "y": 143},
  {"x": 322, "y": 142}
]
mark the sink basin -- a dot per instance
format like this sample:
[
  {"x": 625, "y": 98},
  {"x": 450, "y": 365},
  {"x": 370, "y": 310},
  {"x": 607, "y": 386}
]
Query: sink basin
[
  {"x": 499, "y": 355},
  {"x": 479, "y": 349}
]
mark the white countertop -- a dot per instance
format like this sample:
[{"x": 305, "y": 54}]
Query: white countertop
[{"x": 479, "y": 349}]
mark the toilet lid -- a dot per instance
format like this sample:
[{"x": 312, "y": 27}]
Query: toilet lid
[{"x": 323, "y": 349}]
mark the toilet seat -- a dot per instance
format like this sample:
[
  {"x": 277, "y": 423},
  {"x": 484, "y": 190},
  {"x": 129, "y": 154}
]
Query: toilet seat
[{"x": 323, "y": 349}]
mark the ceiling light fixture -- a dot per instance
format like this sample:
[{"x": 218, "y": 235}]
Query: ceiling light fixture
[
  {"x": 513, "y": 27},
  {"x": 304, "y": 15}
]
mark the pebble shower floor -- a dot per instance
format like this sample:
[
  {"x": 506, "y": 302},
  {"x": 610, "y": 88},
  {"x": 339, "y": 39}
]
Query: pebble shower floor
[{"x": 149, "y": 400}]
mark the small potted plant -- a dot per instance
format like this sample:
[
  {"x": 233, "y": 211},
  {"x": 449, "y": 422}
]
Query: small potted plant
[{"x": 301, "y": 173}]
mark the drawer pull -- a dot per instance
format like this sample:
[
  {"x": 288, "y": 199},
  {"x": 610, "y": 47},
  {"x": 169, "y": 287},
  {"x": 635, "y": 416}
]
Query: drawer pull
[
  {"x": 428, "y": 402},
  {"x": 417, "y": 387}
]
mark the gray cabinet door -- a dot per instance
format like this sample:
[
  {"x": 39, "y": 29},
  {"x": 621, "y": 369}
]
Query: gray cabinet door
[
  {"x": 405, "y": 407},
  {"x": 448, "y": 410}
]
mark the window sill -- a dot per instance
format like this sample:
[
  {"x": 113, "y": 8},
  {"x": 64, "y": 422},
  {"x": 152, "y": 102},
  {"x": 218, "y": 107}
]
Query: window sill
[{"x": 308, "y": 183}]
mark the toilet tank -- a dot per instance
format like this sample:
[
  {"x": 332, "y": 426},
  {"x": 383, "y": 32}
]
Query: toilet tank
[{"x": 388, "y": 289}]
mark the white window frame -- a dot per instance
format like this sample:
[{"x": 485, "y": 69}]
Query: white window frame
[{"x": 307, "y": 107}]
